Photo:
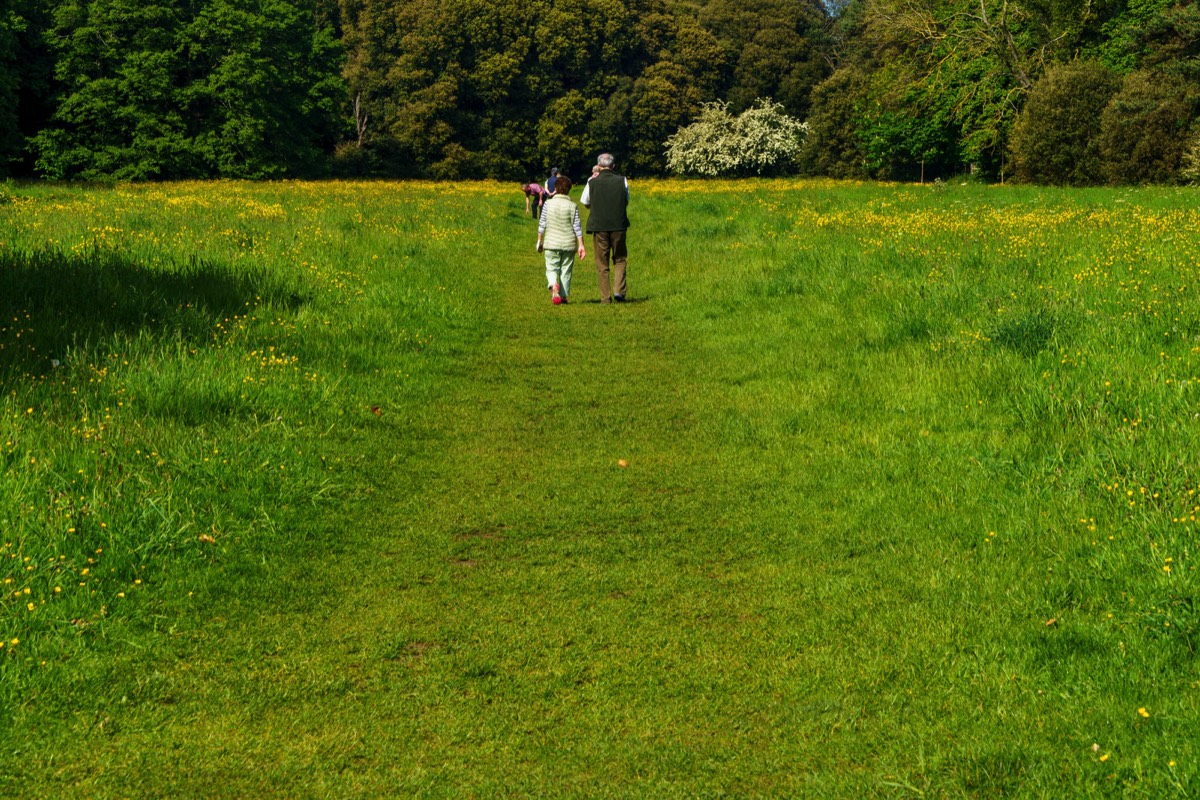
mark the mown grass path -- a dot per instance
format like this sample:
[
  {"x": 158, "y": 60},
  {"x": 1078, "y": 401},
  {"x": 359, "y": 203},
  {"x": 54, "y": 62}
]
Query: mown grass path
[{"x": 504, "y": 590}]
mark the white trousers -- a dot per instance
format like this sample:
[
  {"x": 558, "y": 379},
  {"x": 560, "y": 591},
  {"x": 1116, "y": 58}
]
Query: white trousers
[{"x": 559, "y": 264}]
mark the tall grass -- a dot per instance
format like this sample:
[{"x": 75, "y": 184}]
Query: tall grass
[
  {"x": 181, "y": 366},
  {"x": 908, "y": 504}
]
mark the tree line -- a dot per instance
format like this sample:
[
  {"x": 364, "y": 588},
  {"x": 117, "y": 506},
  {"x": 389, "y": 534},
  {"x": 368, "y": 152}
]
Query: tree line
[{"x": 1047, "y": 91}]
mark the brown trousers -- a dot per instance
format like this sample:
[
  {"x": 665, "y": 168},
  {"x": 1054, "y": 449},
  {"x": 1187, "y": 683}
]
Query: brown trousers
[{"x": 610, "y": 244}]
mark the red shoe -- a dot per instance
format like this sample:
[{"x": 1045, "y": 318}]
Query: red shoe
[{"x": 556, "y": 297}]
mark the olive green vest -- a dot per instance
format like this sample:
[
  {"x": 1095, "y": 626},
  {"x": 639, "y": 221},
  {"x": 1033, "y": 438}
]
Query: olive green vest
[{"x": 606, "y": 193}]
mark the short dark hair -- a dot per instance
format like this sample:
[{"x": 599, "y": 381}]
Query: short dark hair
[{"x": 562, "y": 185}]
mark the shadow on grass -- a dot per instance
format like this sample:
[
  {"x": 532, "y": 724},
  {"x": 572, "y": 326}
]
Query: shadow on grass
[
  {"x": 52, "y": 302},
  {"x": 627, "y": 301},
  {"x": 1027, "y": 334},
  {"x": 910, "y": 328}
]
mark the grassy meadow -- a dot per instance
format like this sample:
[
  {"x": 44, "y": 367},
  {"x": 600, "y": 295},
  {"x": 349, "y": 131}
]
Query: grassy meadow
[{"x": 870, "y": 491}]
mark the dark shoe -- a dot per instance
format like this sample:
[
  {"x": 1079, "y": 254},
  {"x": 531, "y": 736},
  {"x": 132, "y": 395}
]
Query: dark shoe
[{"x": 620, "y": 298}]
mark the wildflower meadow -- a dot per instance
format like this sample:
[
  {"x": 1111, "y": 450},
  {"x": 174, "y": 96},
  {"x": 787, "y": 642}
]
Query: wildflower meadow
[{"x": 871, "y": 490}]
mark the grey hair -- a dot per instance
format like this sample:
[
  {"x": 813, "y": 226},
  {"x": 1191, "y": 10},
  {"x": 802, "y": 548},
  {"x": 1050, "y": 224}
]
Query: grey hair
[{"x": 605, "y": 161}]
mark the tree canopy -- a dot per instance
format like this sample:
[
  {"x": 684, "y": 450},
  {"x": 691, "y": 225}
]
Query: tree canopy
[{"x": 898, "y": 89}]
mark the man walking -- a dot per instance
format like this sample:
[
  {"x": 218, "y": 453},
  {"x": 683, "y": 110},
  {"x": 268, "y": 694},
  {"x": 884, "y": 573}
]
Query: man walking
[{"x": 607, "y": 196}]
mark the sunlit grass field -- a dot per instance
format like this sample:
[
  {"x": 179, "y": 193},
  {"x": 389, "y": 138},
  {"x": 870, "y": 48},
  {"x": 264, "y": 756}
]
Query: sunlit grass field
[{"x": 871, "y": 491}]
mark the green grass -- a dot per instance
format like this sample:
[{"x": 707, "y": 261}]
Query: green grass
[{"x": 908, "y": 508}]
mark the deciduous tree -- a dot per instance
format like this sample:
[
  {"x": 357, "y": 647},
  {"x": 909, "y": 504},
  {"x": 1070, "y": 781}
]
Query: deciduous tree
[
  {"x": 773, "y": 48},
  {"x": 191, "y": 88},
  {"x": 1144, "y": 128},
  {"x": 1056, "y": 138}
]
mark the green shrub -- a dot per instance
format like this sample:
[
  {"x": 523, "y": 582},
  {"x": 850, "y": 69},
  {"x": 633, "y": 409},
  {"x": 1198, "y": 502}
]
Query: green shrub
[
  {"x": 1143, "y": 129},
  {"x": 832, "y": 146},
  {"x": 351, "y": 160},
  {"x": 1055, "y": 139}
]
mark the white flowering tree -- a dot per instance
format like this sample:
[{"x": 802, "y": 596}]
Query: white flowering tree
[
  {"x": 1190, "y": 170},
  {"x": 762, "y": 140}
]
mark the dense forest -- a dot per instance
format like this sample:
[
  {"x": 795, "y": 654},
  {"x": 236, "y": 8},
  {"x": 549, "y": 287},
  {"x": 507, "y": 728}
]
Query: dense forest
[{"x": 1045, "y": 91}]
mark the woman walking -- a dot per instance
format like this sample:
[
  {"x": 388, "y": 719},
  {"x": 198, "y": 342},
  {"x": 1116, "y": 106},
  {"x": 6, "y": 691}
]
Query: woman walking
[{"x": 560, "y": 237}]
